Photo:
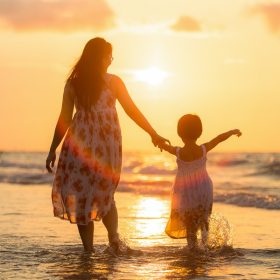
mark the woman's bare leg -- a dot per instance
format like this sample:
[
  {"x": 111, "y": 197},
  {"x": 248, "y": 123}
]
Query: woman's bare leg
[
  {"x": 86, "y": 233},
  {"x": 110, "y": 221}
]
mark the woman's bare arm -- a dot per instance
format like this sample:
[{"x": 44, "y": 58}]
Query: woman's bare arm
[
  {"x": 134, "y": 113},
  {"x": 220, "y": 138},
  {"x": 63, "y": 123}
]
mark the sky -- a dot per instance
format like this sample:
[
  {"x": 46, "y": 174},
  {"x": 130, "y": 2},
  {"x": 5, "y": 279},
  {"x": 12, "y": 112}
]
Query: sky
[{"x": 221, "y": 60}]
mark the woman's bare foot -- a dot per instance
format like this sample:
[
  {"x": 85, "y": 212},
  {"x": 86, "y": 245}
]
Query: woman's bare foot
[
  {"x": 89, "y": 250},
  {"x": 114, "y": 241}
]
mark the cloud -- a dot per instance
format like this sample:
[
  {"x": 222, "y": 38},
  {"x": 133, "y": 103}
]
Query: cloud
[
  {"x": 270, "y": 13},
  {"x": 163, "y": 28},
  {"x": 187, "y": 24},
  {"x": 56, "y": 15}
]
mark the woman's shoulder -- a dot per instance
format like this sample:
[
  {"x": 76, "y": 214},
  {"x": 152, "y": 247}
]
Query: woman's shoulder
[
  {"x": 115, "y": 79},
  {"x": 116, "y": 84}
]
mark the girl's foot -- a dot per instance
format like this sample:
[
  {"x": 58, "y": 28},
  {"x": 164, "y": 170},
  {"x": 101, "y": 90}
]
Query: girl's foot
[{"x": 114, "y": 241}]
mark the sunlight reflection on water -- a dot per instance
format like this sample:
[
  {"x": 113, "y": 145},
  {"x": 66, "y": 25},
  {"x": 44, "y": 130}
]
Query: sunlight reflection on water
[
  {"x": 150, "y": 218},
  {"x": 35, "y": 245},
  {"x": 150, "y": 207}
]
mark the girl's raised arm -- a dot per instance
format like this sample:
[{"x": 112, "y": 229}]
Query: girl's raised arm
[
  {"x": 134, "y": 113},
  {"x": 220, "y": 138}
]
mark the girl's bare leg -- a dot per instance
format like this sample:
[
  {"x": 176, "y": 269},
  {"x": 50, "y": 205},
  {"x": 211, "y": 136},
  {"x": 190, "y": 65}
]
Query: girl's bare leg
[
  {"x": 204, "y": 230},
  {"x": 86, "y": 233},
  {"x": 191, "y": 236},
  {"x": 110, "y": 221}
]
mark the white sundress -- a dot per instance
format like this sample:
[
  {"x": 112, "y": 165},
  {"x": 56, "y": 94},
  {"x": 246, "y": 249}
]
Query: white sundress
[{"x": 191, "y": 197}]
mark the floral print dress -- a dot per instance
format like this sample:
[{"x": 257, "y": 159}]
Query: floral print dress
[
  {"x": 191, "y": 197},
  {"x": 89, "y": 166}
]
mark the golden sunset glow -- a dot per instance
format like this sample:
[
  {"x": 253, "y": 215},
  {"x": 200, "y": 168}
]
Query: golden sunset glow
[
  {"x": 92, "y": 94},
  {"x": 184, "y": 59}
]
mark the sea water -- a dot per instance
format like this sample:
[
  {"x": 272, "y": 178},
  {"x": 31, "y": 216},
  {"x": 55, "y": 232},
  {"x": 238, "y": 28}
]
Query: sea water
[{"x": 243, "y": 241}]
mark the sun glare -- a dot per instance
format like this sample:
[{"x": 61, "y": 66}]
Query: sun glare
[
  {"x": 151, "y": 208},
  {"x": 152, "y": 76}
]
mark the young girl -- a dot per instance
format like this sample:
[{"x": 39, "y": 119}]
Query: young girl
[{"x": 192, "y": 192}]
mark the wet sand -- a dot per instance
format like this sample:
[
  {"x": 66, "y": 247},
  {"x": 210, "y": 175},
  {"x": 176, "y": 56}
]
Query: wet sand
[{"x": 35, "y": 245}]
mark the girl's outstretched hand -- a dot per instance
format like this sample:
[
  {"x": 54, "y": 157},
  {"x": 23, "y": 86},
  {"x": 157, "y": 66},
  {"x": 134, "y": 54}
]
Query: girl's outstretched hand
[
  {"x": 50, "y": 161},
  {"x": 236, "y": 132},
  {"x": 157, "y": 139}
]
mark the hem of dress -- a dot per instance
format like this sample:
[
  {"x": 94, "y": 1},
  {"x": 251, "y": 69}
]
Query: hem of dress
[
  {"x": 75, "y": 223},
  {"x": 173, "y": 237}
]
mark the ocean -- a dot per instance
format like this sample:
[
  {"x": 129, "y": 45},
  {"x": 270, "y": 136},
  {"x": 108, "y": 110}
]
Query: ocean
[{"x": 245, "y": 231}]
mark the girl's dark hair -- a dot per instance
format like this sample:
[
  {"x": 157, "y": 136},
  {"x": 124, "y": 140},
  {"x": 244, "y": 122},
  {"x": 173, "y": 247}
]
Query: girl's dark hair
[
  {"x": 85, "y": 76},
  {"x": 189, "y": 126}
]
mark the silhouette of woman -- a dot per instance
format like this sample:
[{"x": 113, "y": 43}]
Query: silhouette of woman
[{"x": 89, "y": 165}]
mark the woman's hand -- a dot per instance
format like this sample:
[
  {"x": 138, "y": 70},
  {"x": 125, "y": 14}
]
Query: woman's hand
[
  {"x": 50, "y": 161},
  {"x": 157, "y": 139}
]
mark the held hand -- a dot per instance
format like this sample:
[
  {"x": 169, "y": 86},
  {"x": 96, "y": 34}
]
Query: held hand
[
  {"x": 50, "y": 161},
  {"x": 157, "y": 139},
  {"x": 236, "y": 132},
  {"x": 161, "y": 144}
]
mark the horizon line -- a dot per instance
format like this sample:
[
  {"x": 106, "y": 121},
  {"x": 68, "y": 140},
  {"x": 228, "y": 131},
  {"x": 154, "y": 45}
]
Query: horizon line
[{"x": 146, "y": 150}]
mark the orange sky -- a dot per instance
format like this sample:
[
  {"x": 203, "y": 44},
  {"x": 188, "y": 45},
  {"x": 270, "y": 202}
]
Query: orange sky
[{"x": 222, "y": 60}]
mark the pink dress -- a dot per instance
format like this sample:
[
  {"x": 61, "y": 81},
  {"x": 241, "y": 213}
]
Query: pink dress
[
  {"x": 191, "y": 197},
  {"x": 89, "y": 166}
]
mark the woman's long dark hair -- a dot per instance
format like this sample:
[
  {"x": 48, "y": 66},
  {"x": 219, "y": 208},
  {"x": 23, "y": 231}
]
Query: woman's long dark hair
[{"x": 85, "y": 76}]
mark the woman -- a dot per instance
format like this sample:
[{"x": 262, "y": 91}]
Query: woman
[{"x": 89, "y": 165}]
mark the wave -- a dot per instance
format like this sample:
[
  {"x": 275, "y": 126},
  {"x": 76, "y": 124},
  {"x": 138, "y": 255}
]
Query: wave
[
  {"x": 156, "y": 170},
  {"x": 249, "y": 200},
  {"x": 27, "y": 179},
  {"x": 133, "y": 167},
  {"x": 159, "y": 188},
  {"x": 272, "y": 168},
  {"x": 141, "y": 168},
  {"x": 239, "y": 199},
  {"x": 46, "y": 178},
  {"x": 226, "y": 163},
  {"x": 6, "y": 164}
]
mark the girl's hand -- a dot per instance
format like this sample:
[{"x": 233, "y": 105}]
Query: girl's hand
[
  {"x": 50, "y": 161},
  {"x": 236, "y": 132}
]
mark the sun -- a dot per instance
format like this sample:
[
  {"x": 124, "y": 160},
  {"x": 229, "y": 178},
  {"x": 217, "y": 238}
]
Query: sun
[{"x": 152, "y": 76}]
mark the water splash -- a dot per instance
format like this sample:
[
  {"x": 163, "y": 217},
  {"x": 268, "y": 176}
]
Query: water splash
[
  {"x": 124, "y": 248},
  {"x": 218, "y": 239},
  {"x": 221, "y": 232}
]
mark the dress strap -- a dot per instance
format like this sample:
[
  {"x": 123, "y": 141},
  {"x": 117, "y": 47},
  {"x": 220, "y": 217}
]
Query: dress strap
[
  {"x": 107, "y": 83},
  {"x": 204, "y": 150},
  {"x": 177, "y": 152}
]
